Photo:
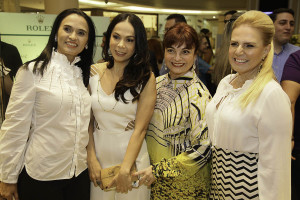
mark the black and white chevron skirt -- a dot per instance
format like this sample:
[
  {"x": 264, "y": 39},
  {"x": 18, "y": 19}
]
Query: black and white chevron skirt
[{"x": 234, "y": 175}]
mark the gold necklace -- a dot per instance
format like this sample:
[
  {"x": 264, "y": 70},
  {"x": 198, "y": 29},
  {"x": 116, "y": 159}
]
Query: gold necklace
[{"x": 98, "y": 91}]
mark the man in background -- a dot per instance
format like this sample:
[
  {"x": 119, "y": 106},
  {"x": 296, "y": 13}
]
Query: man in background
[
  {"x": 284, "y": 23},
  {"x": 171, "y": 21},
  {"x": 228, "y": 15}
]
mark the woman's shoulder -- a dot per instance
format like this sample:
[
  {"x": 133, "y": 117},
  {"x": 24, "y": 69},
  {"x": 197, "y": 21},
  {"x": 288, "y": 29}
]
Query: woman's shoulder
[
  {"x": 273, "y": 90},
  {"x": 98, "y": 68},
  {"x": 29, "y": 66},
  {"x": 272, "y": 85},
  {"x": 160, "y": 79}
]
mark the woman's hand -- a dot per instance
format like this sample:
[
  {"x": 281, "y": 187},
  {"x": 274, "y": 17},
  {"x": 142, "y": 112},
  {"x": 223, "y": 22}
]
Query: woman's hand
[
  {"x": 147, "y": 178},
  {"x": 8, "y": 191},
  {"x": 122, "y": 181},
  {"x": 94, "y": 171}
]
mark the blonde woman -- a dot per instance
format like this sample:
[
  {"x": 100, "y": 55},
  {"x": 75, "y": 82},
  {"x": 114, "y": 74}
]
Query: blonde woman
[{"x": 249, "y": 119}]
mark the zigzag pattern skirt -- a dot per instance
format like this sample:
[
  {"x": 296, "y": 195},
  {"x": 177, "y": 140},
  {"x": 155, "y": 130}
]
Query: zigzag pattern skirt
[{"x": 234, "y": 175}]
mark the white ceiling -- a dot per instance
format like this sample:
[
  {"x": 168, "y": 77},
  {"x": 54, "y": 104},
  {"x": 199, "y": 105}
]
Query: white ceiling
[
  {"x": 192, "y": 4},
  {"x": 195, "y": 5}
]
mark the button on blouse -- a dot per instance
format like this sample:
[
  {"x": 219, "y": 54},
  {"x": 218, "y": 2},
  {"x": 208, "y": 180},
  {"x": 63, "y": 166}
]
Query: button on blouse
[{"x": 46, "y": 126}]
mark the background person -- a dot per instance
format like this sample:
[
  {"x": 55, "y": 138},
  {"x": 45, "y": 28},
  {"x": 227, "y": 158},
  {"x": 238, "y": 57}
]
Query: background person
[
  {"x": 208, "y": 54},
  {"x": 10, "y": 61},
  {"x": 284, "y": 23},
  {"x": 123, "y": 98},
  {"x": 102, "y": 45},
  {"x": 44, "y": 136},
  {"x": 171, "y": 21},
  {"x": 155, "y": 47},
  {"x": 245, "y": 122},
  {"x": 228, "y": 15},
  {"x": 204, "y": 68},
  {"x": 290, "y": 83},
  {"x": 222, "y": 66},
  {"x": 177, "y": 139}
]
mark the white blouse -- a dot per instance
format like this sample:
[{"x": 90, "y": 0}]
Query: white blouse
[
  {"x": 264, "y": 127},
  {"x": 46, "y": 126}
]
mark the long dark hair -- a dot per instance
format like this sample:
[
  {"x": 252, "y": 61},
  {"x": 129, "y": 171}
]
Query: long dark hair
[
  {"x": 137, "y": 72},
  {"x": 86, "y": 55}
]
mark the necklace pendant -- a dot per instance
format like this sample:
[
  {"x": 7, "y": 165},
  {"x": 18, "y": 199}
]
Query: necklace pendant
[{"x": 102, "y": 107}]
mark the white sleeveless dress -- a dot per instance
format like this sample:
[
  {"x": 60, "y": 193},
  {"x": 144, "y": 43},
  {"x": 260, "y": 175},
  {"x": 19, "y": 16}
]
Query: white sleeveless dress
[{"x": 112, "y": 133}]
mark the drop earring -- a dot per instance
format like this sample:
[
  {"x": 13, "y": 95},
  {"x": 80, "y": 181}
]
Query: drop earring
[
  {"x": 194, "y": 66},
  {"x": 86, "y": 46},
  {"x": 260, "y": 67},
  {"x": 55, "y": 39},
  {"x": 109, "y": 52},
  {"x": 261, "y": 64}
]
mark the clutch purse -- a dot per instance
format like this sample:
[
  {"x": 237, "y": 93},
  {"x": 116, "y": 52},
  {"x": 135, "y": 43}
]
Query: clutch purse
[{"x": 109, "y": 173}]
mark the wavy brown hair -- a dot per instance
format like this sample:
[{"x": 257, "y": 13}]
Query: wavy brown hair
[{"x": 137, "y": 72}]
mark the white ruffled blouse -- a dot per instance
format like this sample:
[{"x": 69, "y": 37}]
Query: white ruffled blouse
[
  {"x": 263, "y": 127},
  {"x": 46, "y": 125}
]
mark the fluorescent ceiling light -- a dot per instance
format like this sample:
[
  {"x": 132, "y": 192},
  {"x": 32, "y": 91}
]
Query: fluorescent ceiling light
[
  {"x": 140, "y": 8},
  {"x": 120, "y": 7},
  {"x": 189, "y": 11},
  {"x": 137, "y": 8},
  {"x": 98, "y": 3}
]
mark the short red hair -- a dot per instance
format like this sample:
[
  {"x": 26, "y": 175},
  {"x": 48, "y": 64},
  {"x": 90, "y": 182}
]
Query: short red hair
[{"x": 179, "y": 34}]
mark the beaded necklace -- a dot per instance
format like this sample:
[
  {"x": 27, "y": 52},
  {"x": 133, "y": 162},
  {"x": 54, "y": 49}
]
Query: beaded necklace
[{"x": 98, "y": 91}]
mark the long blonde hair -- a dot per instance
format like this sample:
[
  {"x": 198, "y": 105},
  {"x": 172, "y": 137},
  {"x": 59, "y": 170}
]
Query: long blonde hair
[{"x": 264, "y": 24}]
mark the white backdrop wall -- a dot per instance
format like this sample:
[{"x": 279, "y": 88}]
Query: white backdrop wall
[{"x": 30, "y": 32}]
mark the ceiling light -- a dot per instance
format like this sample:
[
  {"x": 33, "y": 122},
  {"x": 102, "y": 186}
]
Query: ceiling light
[
  {"x": 154, "y": 10},
  {"x": 139, "y": 8},
  {"x": 97, "y": 3}
]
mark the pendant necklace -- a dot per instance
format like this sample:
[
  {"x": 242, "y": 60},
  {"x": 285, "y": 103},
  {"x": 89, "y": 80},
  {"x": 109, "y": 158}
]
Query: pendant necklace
[{"x": 98, "y": 91}]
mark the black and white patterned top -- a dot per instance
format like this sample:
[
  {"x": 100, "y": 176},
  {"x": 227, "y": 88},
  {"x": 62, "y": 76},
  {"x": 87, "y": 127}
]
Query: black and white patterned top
[{"x": 251, "y": 146}]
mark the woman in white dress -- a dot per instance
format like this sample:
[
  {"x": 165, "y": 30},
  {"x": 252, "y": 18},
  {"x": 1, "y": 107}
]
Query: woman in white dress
[
  {"x": 123, "y": 98},
  {"x": 249, "y": 119}
]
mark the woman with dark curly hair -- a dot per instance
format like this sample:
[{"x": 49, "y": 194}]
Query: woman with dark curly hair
[{"x": 123, "y": 98}]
